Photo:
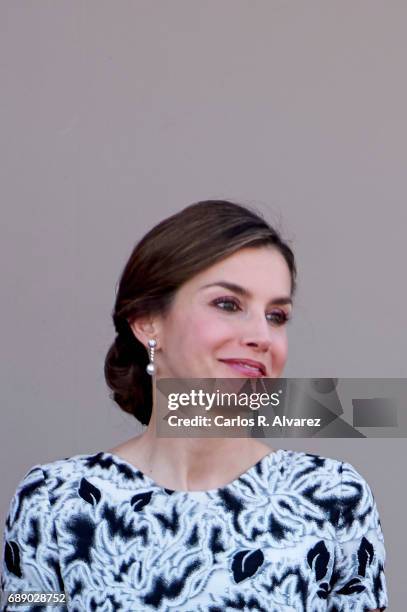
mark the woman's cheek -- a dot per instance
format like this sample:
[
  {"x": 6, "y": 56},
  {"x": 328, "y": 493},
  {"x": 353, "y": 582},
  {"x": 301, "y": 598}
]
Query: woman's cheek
[
  {"x": 280, "y": 347},
  {"x": 210, "y": 333}
]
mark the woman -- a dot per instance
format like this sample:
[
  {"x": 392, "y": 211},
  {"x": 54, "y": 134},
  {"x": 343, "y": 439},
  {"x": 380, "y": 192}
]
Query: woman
[{"x": 207, "y": 524}]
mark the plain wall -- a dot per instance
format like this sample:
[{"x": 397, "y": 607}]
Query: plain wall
[{"x": 117, "y": 114}]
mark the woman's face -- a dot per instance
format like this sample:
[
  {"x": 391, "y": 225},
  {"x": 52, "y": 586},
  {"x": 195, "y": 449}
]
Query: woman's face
[{"x": 227, "y": 317}]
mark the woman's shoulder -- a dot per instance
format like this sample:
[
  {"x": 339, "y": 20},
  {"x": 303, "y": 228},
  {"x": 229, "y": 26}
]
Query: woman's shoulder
[
  {"x": 302, "y": 463},
  {"x": 61, "y": 467},
  {"x": 337, "y": 475},
  {"x": 54, "y": 477},
  {"x": 336, "y": 480},
  {"x": 300, "y": 459},
  {"x": 47, "y": 489}
]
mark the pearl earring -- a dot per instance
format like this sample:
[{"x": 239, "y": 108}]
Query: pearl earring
[{"x": 151, "y": 367}]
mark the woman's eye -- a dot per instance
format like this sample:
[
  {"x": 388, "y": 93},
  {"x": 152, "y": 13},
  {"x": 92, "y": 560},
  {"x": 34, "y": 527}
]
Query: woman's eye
[
  {"x": 280, "y": 317},
  {"x": 226, "y": 304}
]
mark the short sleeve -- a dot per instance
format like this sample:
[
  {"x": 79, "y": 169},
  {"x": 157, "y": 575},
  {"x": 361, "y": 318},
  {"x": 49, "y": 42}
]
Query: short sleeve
[
  {"x": 30, "y": 550},
  {"x": 358, "y": 582}
]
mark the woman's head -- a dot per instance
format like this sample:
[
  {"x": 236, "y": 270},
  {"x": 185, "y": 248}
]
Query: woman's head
[{"x": 163, "y": 293}]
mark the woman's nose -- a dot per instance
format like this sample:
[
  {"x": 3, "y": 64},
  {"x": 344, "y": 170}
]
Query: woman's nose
[
  {"x": 262, "y": 344},
  {"x": 258, "y": 334}
]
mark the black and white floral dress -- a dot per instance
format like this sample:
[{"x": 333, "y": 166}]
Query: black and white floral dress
[{"x": 296, "y": 532}]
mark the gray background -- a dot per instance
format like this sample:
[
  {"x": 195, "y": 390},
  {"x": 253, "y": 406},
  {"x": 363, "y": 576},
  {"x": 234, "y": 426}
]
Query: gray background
[{"x": 117, "y": 114}]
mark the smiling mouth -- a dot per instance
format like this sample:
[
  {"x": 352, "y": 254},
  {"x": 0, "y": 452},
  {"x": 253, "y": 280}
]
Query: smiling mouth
[{"x": 244, "y": 367}]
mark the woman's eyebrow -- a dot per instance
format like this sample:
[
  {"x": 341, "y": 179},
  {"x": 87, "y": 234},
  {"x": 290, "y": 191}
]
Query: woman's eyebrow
[{"x": 245, "y": 292}]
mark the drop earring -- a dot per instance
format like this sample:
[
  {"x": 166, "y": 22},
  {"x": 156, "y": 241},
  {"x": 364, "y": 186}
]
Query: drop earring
[{"x": 151, "y": 367}]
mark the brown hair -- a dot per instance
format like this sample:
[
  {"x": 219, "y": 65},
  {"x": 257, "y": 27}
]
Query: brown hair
[{"x": 170, "y": 254}]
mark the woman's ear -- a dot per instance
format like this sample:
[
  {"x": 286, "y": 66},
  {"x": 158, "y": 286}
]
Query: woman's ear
[{"x": 144, "y": 329}]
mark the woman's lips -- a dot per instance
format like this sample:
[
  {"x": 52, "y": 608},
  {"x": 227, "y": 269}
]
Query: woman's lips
[{"x": 243, "y": 369}]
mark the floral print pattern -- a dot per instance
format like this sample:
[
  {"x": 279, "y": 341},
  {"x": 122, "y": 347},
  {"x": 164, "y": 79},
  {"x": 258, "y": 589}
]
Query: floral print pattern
[{"x": 296, "y": 532}]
